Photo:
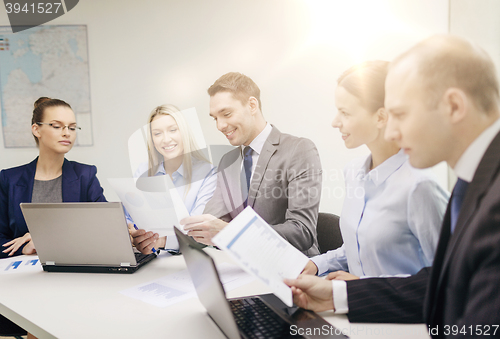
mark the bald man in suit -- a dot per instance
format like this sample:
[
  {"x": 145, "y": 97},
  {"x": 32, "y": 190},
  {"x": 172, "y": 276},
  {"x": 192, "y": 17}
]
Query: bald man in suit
[{"x": 443, "y": 102}]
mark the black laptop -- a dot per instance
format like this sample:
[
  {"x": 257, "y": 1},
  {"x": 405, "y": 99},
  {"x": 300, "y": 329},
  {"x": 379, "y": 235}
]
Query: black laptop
[
  {"x": 89, "y": 237},
  {"x": 258, "y": 316}
]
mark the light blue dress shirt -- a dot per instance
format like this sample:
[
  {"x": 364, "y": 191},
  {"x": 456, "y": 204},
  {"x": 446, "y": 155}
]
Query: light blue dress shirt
[
  {"x": 390, "y": 220},
  {"x": 203, "y": 182}
]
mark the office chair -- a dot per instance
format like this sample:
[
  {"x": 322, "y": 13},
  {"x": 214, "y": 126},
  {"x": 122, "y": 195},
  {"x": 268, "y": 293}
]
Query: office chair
[
  {"x": 9, "y": 329},
  {"x": 328, "y": 230}
]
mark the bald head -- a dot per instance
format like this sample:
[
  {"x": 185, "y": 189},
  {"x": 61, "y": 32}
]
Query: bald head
[
  {"x": 447, "y": 61},
  {"x": 440, "y": 96}
]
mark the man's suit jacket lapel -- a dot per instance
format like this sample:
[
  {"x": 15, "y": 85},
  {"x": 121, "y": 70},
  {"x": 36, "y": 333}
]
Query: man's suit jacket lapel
[
  {"x": 70, "y": 183},
  {"x": 448, "y": 244},
  {"x": 485, "y": 174},
  {"x": 24, "y": 187},
  {"x": 267, "y": 152}
]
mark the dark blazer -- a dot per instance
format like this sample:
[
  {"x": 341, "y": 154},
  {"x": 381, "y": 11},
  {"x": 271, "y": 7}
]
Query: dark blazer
[
  {"x": 461, "y": 288},
  {"x": 79, "y": 184},
  {"x": 285, "y": 189}
]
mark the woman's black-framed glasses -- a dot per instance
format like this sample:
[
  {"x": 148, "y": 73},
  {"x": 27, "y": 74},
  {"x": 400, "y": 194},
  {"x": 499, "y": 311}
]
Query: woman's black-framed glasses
[{"x": 57, "y": 126}]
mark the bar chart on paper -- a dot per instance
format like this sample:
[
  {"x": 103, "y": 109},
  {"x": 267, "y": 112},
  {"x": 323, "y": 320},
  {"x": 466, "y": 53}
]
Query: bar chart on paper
[
  {"x": 176, "y": 287},
  {"x": 261, "y": 251},
  {"x": 19, "y": 264}
]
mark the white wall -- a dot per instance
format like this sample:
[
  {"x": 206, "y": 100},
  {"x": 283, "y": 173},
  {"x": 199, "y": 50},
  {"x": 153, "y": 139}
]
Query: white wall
[
  {"x": 478, "y": 22},
  {"x": 145, "y": 53}
]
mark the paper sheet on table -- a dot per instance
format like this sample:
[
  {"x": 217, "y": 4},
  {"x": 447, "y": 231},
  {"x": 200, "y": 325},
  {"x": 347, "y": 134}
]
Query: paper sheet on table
[
  {"x": 20, "y": 264},
  {"x": 178, "y": 286},
  {"x": 153, "y": 202},
  {"x": 262, "y": 252}
]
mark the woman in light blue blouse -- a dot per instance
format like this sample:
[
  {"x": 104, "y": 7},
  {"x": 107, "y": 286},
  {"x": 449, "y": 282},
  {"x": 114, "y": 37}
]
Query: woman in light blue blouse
[
  {"x": 392, "y": 212},
  {"x": 172, "y": 150}
]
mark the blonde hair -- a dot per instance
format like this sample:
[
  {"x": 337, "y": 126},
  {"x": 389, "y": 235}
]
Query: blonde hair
[{"x": 191, "y": 149}]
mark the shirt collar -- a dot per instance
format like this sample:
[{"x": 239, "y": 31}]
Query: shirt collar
[
  {"x": 161, "y": 169},
  {"x": 380, "y": 173},
  {"x": 468, "y": 162},
  {"x": 177, "y": 174},
  {"x": 257, "y": 144}
]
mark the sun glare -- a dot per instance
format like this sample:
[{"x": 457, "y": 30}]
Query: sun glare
[{"x": 353, "y": 26}]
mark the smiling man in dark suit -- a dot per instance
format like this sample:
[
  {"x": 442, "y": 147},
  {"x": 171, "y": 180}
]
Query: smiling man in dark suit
[
  {"x": 277, "y": 174},
  {"x": 443, "y": 102}
]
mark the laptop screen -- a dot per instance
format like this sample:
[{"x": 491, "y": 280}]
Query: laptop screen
[
  {"x": 84, "y": 234},
  {"x": 206, "y": 281}
]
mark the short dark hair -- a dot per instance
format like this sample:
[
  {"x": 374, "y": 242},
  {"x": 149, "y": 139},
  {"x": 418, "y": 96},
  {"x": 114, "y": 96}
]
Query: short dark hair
[{"x": 241, "y": 86}]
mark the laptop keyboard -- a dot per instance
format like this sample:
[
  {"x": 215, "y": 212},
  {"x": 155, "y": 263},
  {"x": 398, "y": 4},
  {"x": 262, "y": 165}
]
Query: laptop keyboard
[
  {"x": 140, "y": 258},
  {"x": 257, "y": 320}
]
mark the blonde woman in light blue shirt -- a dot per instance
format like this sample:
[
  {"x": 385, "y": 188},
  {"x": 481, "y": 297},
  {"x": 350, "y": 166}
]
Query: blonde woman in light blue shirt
[
  {"x": 392, "y": 212},
  {"x": 172, "y": 150}
]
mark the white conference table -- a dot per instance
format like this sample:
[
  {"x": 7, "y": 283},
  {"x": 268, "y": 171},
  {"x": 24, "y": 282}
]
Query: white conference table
[{"x": 81, "y": 305}]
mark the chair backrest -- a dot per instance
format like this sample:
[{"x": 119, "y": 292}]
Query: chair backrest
[
  {"x": 10, "y": 329},
  {"x": 328, "y": 230}
]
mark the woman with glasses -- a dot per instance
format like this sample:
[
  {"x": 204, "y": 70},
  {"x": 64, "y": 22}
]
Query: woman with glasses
[
  {"x": 49, "y": 178},
  {"x": 392, "y": 212},
  {"x": 173, "y": 151}
]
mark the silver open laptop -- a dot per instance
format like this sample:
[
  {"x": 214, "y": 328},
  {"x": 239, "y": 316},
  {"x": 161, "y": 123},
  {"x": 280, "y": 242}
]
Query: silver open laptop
[
  {"x": 259, "y": 316},
  {"x": 82, "y": 237}
]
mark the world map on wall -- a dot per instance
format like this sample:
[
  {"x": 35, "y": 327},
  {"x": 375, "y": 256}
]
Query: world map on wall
[{"x": 49, "y": 61}]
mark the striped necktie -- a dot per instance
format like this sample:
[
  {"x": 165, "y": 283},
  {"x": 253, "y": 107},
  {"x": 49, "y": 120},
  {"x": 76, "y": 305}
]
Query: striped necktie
[{"x": 247, "y": 165}]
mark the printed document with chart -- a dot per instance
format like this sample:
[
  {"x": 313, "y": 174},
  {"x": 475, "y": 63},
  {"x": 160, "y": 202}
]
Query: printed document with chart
[{"x": 262, "y": 252}]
